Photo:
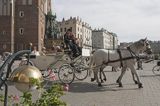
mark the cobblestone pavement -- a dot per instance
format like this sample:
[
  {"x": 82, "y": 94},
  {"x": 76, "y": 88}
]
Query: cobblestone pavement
[{"x": 86, "y": 93}]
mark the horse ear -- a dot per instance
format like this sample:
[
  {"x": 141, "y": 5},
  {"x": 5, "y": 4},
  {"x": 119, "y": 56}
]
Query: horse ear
[{"x": 145, "y": 38}]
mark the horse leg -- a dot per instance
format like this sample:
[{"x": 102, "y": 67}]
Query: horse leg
[
  {"x": 100, "y": 74},
  {"x": 93, "y": 79},
  {"x": 120, "y": 77},
  {"x": 105, "y": 79},
  {"x": 135, "y": 81},
  {"x": 97, "y": 79},
  {"x": 94, "y": 75},
  {"x": 135, "y": 73}
]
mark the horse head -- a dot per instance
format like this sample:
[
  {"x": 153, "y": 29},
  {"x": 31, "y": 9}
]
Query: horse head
[{"x": 144, "y": 46}]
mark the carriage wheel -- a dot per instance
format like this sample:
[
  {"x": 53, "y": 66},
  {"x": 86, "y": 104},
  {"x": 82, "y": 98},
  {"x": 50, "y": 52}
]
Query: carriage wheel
[
  {"x": 81, "y": 72},
  {"x": 47, "y": 73},
  {"x": 66, "y": 74},
  {"x": 156, "y": 70}
]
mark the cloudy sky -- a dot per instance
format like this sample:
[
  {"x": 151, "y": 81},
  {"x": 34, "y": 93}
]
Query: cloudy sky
[{"x": 131, "y": 20}]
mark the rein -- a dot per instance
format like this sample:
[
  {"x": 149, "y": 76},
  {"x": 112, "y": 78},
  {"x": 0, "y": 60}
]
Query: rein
[{"x": 133, "y": 53}]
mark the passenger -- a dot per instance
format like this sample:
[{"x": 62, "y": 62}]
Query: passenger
[
  {"x": 35, "y": 52},
  {"x": 139, "y": 64},
  {"x": 43, "y": 52}
]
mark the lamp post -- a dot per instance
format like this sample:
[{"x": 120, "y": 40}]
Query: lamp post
[{"x": 12, "y": 3}]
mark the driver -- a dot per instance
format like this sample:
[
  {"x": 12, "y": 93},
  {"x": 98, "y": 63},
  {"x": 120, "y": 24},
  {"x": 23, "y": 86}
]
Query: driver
[{"x": 70, "y": 41}]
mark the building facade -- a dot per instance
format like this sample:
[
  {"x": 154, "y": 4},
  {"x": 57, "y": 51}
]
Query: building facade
[
  {"x": 80, "y": 29},
  {"x": 22, "y": 22},
  {"x": 155, "y": 45},
  {"x": 103, "y": 39}
]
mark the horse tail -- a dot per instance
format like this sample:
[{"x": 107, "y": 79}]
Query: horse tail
[
  {"x": 91, "y": 62},
  {"x": 93, "y": 51}
]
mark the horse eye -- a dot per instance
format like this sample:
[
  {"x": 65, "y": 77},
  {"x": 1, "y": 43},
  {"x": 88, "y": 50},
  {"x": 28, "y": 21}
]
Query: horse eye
[{"x": 147, "y": 43}]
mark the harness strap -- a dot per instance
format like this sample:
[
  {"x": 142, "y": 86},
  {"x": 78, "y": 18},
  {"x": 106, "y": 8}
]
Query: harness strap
[
  {"x": 112, "y": 61},
  {"x": 120, "y": 56},
  {"x": 108, "y": 56},
  {"x": 133, "y": 56},
  {"x": 132, "y": 53}
]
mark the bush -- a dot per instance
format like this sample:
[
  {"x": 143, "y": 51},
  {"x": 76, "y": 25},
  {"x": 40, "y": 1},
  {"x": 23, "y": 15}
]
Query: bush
[{"x": 48, "y": 97}]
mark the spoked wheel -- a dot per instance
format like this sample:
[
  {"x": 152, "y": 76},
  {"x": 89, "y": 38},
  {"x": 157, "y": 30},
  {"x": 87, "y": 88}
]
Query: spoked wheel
[
  {"x": 156, "y": 70},
  {"x": 49, "y": 77},
  {"x": 66, "y": 74},
  {"x": 81, "y": 72}
]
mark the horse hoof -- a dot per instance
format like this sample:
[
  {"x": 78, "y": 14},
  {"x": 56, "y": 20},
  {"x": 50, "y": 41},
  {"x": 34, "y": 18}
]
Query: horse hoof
[
  {"x": 100, "y": 85},
  {"x": 92, "y": 79},
  {"x": 105, "y": 79},
  {"x": 136, "y": 82},
  {"x": 102, "y": 81},
  {"x": 140, "y": 85},
  {"x": 120, "y": 85}
]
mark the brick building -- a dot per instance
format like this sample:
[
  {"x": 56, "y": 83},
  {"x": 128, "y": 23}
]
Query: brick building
[{"x": 22, "y": 22}]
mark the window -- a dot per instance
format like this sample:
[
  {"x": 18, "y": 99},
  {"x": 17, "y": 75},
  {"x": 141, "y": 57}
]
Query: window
[
  {"x": 21, "y": 14},
  {"x": 4, "y": 46},
  {"x": 21, "y": 31},
  {"x": 65, "y": 29},
  {"x": 71, "y": 29},
  {"x": 61, "y": 30},
  {"x": 4, "y": 33}
]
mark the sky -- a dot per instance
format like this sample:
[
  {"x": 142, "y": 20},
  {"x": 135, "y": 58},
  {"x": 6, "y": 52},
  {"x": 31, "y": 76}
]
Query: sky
[{"x": 131, "y": 20}]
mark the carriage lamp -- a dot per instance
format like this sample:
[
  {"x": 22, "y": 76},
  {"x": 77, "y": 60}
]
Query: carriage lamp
[{"x": 21, "y": 77}]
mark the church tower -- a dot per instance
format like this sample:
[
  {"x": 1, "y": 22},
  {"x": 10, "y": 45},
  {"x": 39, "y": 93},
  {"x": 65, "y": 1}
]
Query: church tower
[{"x": 22, "y": 22}]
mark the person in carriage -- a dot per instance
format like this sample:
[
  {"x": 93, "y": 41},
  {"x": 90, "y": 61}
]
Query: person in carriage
[{"x": 71, "y": 43}]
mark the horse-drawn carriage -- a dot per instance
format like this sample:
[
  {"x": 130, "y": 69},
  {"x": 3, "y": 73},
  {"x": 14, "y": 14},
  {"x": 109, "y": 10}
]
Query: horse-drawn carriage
[
  {"x": 62, "y": 63},
  {"x": 69, "y": 68}
]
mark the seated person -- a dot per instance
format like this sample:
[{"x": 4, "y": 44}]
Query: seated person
[
  {"x": 70, "y": 42},
  {"x": 43, "y": 52},
  {"x": 35, "y": 52}
]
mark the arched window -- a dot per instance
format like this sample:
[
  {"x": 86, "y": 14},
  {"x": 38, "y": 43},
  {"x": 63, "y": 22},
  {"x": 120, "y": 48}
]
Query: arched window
[
  {"x": 21, "y": 31},
  {"x": 21, "y": 14}
]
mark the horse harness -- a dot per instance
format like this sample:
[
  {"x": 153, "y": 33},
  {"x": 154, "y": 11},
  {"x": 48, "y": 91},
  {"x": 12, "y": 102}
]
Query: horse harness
[{"x": 121, "y": 59}]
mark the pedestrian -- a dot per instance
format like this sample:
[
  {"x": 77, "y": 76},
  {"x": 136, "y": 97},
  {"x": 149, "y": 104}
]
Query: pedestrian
[{"x": 139, "y": 64}]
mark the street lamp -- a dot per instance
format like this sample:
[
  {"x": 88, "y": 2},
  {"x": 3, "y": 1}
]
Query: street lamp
[
  {"x": 20, "y": 76},
  {"x": 12, "y": 3}
]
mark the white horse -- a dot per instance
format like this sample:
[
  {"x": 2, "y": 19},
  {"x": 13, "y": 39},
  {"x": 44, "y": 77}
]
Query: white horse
[{"x": 125, "y": 58}]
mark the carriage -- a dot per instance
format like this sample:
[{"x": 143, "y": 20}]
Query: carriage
[{"x": 67, "y": 67}]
